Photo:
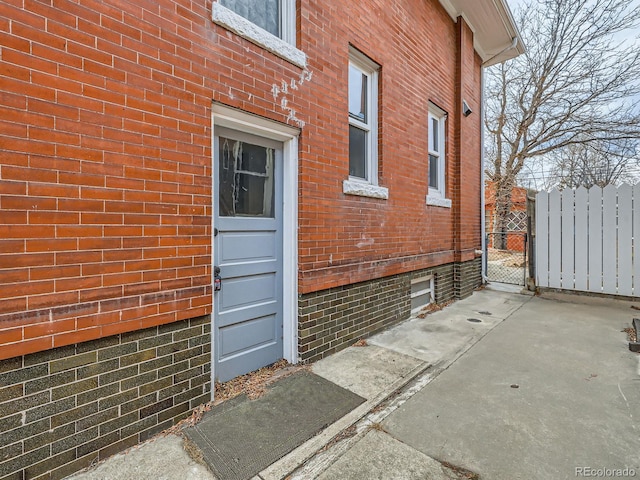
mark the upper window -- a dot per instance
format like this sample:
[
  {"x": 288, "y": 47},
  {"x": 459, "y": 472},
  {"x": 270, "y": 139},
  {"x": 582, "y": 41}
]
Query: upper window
[
  {"x": 266, "y": 14},
  {"x": 436, "y": 165},
  {"x": 268, "y": 23},
  {"x": 363, "y": 115}
]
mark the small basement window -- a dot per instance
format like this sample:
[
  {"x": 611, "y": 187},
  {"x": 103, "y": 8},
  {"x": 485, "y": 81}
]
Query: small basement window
[{"x": 422, "y": 293}]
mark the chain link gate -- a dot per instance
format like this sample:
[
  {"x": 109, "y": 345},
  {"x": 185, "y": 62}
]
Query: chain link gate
[{"x": 506, "y": 257}]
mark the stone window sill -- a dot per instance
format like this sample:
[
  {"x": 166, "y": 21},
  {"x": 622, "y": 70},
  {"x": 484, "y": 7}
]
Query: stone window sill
[
  {"x": 352, "y": 187},
  {"x": 437, "y": 201}
]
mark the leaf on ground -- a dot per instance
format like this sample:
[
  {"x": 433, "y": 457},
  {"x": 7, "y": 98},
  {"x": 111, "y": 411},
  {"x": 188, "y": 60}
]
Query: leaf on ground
[
  {"x": 346, "y": 433},
  {"x": 433, "y": 307},
  {"x": 253, "y": 385},
  {"x": 462, "y": 473},
  {"x": 377, "y": 426},
  {"x": 631, "y": 334}
]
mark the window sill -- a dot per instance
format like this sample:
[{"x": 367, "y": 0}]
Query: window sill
[
  {"x": 438, "y": 201},
  {"x": 250, "y": 31},
  {"x": 352, "y": 187}
]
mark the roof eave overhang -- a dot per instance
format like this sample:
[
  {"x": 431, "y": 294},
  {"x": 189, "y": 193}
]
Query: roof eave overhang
[{"x": 495, "y": 35}]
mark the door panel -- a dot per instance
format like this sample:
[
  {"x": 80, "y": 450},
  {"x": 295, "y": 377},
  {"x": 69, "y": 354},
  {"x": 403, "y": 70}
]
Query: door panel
[
  {"x": 242, "y": 336},
  {"x": 248, "y": 311},
  {"x": 248, "y": 246},
  {"x": 246, "y": 292}
]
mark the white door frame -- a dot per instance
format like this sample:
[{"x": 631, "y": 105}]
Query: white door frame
[{"x": 223, "y": 116}]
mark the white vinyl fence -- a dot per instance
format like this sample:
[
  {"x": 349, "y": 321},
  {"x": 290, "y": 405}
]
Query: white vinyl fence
[{"x": 585, "y": 240}]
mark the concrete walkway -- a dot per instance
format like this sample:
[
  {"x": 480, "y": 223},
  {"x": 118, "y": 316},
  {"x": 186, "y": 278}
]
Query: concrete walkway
[
  {"x": 505, "y": 385},
  {"x": 552, "y": 390}
]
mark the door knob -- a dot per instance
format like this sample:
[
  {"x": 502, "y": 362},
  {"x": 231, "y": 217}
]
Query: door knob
[{"x": 217, "y": 279}]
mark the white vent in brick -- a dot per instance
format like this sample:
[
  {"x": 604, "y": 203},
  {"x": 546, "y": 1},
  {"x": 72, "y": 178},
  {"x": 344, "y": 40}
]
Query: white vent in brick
[{"x": 422, "y": 293}]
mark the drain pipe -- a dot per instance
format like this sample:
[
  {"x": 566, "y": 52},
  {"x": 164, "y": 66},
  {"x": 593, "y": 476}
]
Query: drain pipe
[
  {"x": 483, "y": 219},
  {"x": 514, "y": 43}
]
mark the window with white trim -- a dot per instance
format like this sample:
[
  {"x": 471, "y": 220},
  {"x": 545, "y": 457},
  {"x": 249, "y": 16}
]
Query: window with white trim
[
  {"x": 436, "y": 152},
  {"x": 268, "y": 23},
  {"x": 422, "y": 293},
  {"x": 363, "y": 116},
  {"x": 270, "y": 15},
  {"x": 437, "y": 157}
]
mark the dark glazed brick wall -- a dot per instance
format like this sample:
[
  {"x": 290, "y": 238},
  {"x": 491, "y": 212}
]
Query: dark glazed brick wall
[
  {"x": 468, "y": 277},
  {"x": 333, "y": 319},
  {"x": 63, "y": 409},
  {"x": 443, "y": 281}
]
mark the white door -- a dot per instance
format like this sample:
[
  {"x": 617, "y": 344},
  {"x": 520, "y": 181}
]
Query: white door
[{"x": 248, "y": 308}]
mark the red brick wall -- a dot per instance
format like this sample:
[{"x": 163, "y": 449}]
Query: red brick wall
[
  {"x": 105, "y": 154},
  {"x": 518, "y": 197},
  {"x": 467, "y": 165},
  {"x": 515, "y": 242},
  {"x": 345, "y": 239}
]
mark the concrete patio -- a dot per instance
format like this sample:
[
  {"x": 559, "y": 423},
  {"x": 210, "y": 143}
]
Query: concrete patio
[{"x": 552, "y": 392}]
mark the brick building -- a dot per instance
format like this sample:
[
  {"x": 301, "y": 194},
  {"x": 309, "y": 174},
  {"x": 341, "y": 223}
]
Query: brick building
[
  {"x": 325, "y": 156},
  {"x": 516, "y": 221}
]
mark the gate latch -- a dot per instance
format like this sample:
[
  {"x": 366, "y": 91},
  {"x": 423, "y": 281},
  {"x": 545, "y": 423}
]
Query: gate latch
[{"x": 217, "y": 279}]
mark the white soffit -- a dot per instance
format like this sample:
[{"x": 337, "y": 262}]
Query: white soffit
[{"x": 493, "y": 28}]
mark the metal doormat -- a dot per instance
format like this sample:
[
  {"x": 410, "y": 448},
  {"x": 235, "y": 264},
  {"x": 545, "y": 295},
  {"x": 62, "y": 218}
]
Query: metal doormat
[{"x": 241, "y": 437}]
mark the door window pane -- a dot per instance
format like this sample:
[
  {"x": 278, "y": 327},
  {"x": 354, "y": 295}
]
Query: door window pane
[
  {"x": 246, "y": 186},
  {"x": 264, "y": 13},
  {"x": 357, "y": 152},
  {"x": 357, "y": 94}
]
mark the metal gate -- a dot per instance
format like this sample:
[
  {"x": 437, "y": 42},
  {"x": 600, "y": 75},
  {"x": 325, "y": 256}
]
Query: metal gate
[{"x": 506, "y": 257}]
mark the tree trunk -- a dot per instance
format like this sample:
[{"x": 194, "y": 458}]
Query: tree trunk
[{"x": 501, "y": 213}]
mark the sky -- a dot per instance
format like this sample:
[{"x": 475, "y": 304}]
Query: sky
[
  {"x": 629, "y": 36},
  {"x": 536, "y": 171},
  {"x": 514, "y": 4}
]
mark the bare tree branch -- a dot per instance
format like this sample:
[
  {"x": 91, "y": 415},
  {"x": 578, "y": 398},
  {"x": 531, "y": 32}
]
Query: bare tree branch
[{"x": 575, "y": 90}]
